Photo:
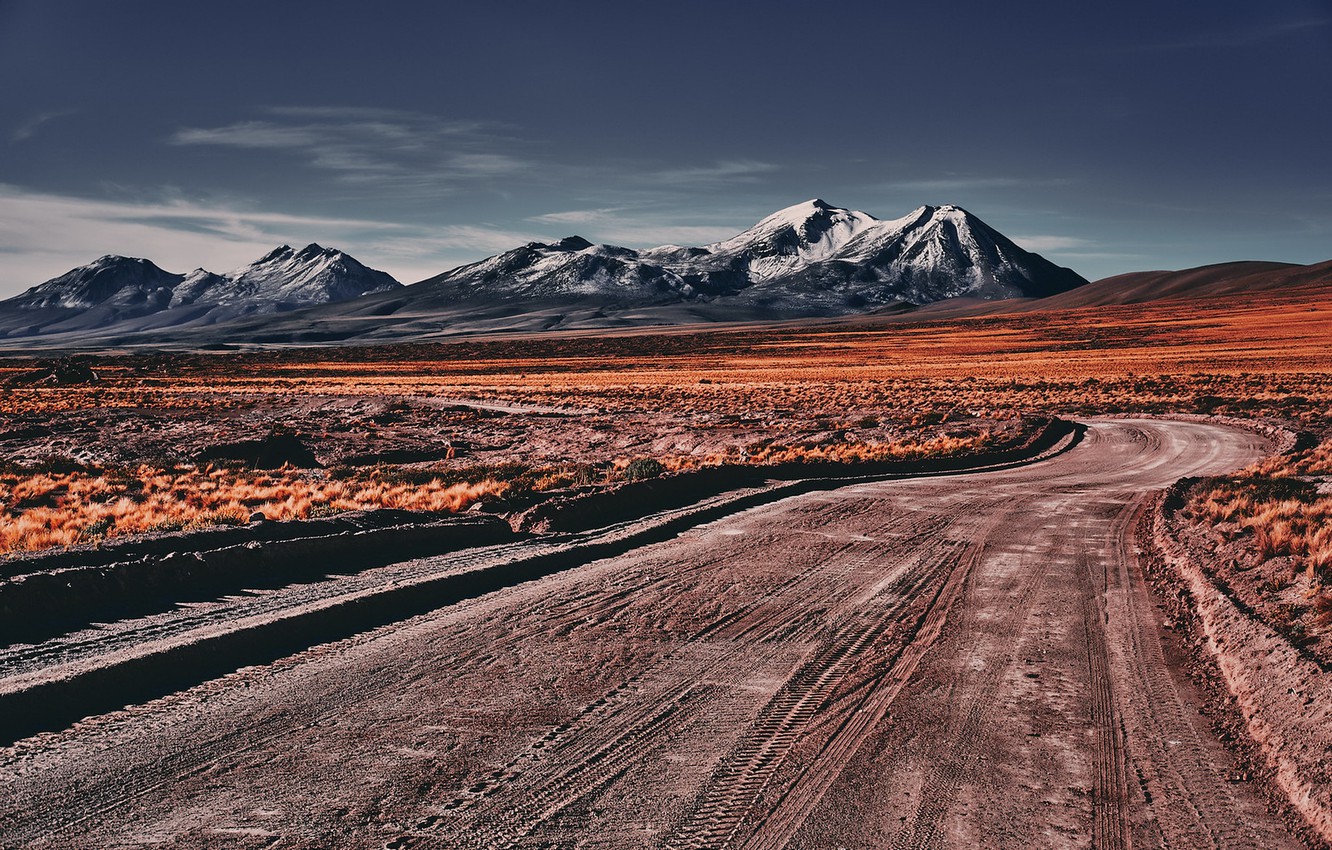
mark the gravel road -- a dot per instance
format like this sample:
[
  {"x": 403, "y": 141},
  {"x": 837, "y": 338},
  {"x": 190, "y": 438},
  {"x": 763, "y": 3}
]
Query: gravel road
[{"x": 959, "y": 661}]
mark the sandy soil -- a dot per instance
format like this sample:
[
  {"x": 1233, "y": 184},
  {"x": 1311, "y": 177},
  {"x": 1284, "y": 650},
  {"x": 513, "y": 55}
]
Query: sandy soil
[{"x": 961, "y": 661}]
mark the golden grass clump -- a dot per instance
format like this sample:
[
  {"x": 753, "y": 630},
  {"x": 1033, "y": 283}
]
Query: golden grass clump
[
  {"x": 45, "y": 510},
  {"x": 1285, "y": 513},
  {"x": 856, "y": 452}
]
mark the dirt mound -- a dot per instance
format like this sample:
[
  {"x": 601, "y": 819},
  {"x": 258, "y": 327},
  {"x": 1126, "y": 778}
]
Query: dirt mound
[
  {"x": 66, "y": 372},
  {"x": 272, "y": 452}
]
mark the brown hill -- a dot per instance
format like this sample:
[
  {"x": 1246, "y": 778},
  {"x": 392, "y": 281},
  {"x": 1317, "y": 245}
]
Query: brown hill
[{"x": 1201, "y": 282}]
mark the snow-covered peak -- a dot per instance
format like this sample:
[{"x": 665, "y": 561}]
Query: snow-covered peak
[
  {"x": 808, "y": 232},
  {"x": 818, "y": 226},
  {"x": 797, "y": 215},
  {"x": 281, "y": 252},
  {"x": 110, "y": 278},
  {"x": 196, "y": 284},
  {"x": 312, "y": 275}
]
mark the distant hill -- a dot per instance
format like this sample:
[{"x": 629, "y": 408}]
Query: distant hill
[
  {"x": 127, "y": 294},
  {"x": 1201, "y": 282}
]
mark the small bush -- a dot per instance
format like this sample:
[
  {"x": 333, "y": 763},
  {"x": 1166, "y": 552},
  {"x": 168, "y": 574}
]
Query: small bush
[
  {"x": 98, "y": 528},
  {"x": 644, "y": 467}
]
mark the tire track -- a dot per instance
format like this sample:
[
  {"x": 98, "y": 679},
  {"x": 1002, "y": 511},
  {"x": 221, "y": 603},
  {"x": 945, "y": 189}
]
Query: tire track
[
  {"x": 607, "y": 737},
  {"x": 856, "y": 721},
  {"x": 1110, "y": 822},
  {"x": 972, "y": 709},
  {"x": 1192, "y": 803},
  {"x": 728, "y": 803}
]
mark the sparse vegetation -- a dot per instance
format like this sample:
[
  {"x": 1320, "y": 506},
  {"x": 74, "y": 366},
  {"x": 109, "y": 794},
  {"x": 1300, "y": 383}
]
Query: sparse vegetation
[
  {"x": 643, "y": 467},
  {"x": 1278, "y": 513},
  {"x": 437, "y": 427},
  {"x": 62, "y": 509}
]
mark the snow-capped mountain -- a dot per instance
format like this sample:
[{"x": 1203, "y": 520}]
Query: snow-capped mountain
[
  {"x": 785, "y": 242},
  {"x": 571, "y": 269},
  {"x": 286, "y": 278},
  {"x": 128, "y": 283},
  {"x": 808, "y": 259},
  {"x": 114, "y": 291}
]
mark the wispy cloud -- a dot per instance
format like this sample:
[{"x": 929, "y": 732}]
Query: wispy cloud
[
  {"x": 593, "y": 216},
  {"x": 721, "y": 172},
  {"x": 485, "y": 164},
  {"x": 968, "y": 183},
  {"x": 29, "y": 128},
  {"x": 387, "y": 148}
]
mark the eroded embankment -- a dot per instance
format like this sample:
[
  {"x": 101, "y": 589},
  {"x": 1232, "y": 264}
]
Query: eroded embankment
[
  {"x": 603, "y": 506},
  {"x": 1282, "y": 693},
  {"x": 45, "y": 595}
]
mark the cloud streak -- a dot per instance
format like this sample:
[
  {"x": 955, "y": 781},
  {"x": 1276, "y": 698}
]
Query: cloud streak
[
  {"x": 29, "y": 128},
  {"x": 719, "y": 173},
  {"x": 592, "y": 216},
  {"x": 969, "y": 183},
  {"x": 386, "y": 149}
]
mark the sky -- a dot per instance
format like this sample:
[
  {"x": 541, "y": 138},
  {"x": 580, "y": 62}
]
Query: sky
[{"x": 417, "y": 137}]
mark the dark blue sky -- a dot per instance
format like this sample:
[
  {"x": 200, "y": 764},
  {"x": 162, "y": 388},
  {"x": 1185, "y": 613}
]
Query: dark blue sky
[{"x": 420, "y": 136}]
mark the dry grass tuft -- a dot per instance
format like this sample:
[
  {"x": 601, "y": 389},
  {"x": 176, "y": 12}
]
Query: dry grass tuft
[
  {"x": 64, "y": 509},
  {"x": 1278, "y": 502}
]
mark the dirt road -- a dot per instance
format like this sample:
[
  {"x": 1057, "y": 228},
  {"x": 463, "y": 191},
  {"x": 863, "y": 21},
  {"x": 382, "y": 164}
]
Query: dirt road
[{"x": 963, "y": 661}]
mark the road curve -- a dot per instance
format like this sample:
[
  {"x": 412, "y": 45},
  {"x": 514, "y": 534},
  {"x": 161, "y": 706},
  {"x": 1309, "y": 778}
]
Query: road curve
[{"x": 962, "y": 661}]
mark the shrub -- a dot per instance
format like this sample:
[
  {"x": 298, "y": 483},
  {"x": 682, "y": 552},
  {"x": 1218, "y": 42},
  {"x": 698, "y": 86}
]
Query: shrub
[
  {"x": 98, "y": 528},
  {"x": 644, "y": 467}
]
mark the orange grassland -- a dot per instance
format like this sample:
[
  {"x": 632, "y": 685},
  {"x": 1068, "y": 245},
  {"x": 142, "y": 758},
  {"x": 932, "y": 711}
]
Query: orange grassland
[{"x": 870, "y": 386}]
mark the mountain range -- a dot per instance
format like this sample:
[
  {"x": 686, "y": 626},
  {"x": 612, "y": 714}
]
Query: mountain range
[
  {"x": 134, "y": 293},
  {"x": 809, "y": 260}
]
